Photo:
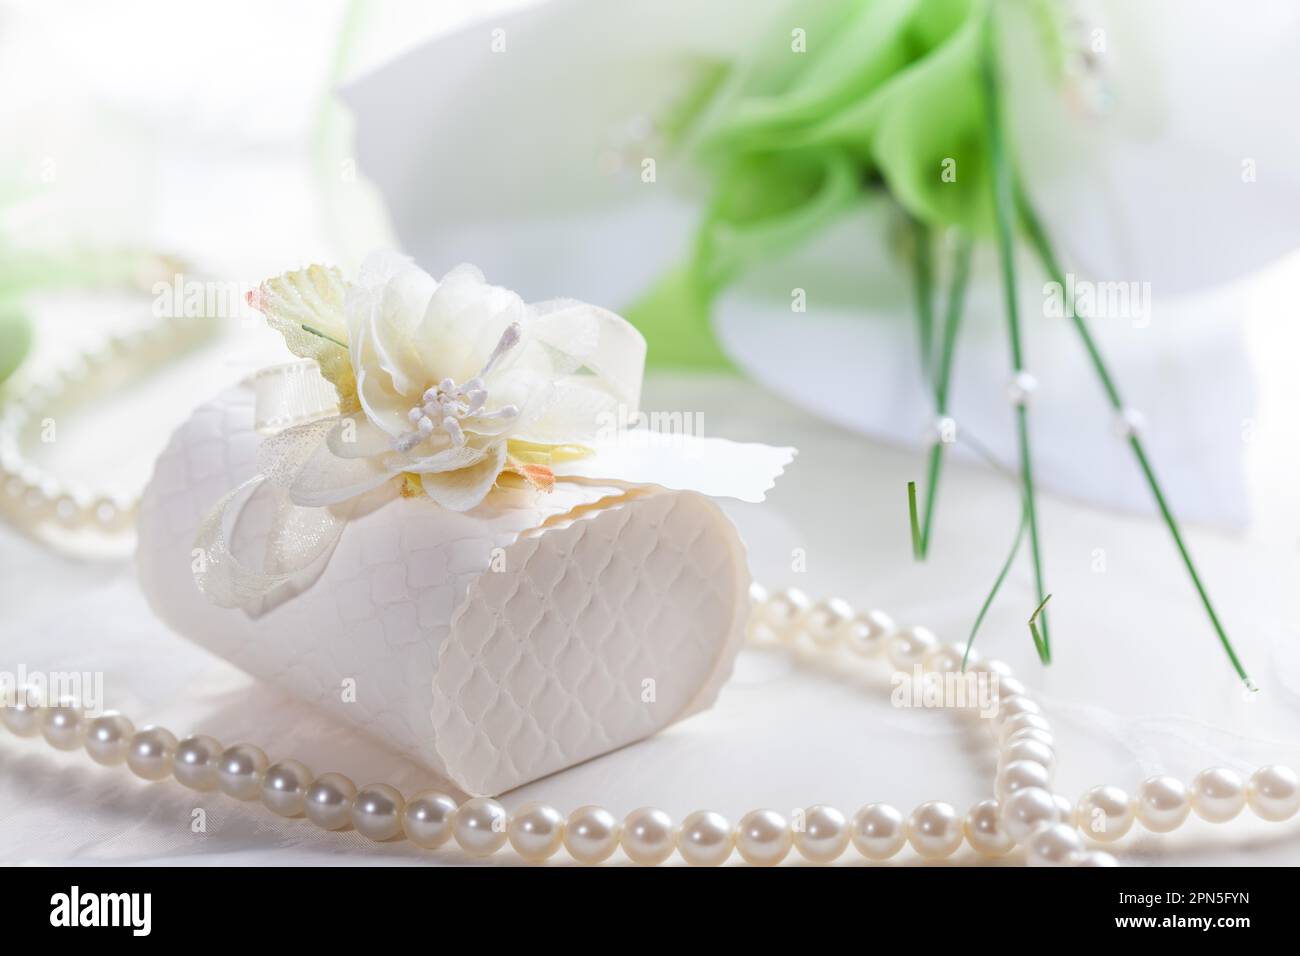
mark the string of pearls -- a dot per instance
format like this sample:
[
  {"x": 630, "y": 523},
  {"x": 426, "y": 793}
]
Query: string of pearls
[
  {"x": 34, "y": 491},
  {"x": 1023, "y": 811}
]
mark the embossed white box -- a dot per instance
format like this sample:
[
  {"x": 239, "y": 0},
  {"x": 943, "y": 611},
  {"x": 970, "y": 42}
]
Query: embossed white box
[{"x": 494, "y": 647}]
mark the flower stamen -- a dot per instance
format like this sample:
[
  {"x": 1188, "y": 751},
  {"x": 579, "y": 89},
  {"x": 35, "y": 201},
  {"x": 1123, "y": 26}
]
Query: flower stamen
[{"x": 445, "y": 405}]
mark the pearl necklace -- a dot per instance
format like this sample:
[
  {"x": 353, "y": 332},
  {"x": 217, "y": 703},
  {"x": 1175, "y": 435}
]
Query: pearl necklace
[
  {"x": 1023, "y": 811},
  {"x": 41, "y": 495}
]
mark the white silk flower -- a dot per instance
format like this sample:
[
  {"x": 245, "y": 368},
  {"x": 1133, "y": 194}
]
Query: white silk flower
[{"x": 451, "y": 377}]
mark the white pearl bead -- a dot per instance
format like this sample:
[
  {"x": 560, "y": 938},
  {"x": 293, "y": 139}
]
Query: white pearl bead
[
  {"x": 536, "y": 831},
  {"x": 1095, "y": 858},
  {"x": 1026, "y": 810},
  {"x": 648, "y": 836},
  {"x": 329, "y": 801},
  {"x": 150, "y": 756},
  {"x": 1053, "y": 844},
  {"x": 1014, "y": 725},
  {"x": 991, "y": 666},
  {"x": 1009, "y": 707},
  {"x": 1032, "y": 750},
  {"x": 763, "y": 837},
  {"x": 1022, "y": 387},
  {"x": 480, "y": 826},
  {"x": 592, "y": 834},
  {"x": 1008, "y": 686},
  {"x": 784, "y": 612},
  {"x": 1274, "y": 793},
  {"x": 427, "y": 819},
  {"x": 867, "y": 633},
  {"x": 1031, "y": 733},
  {"x": 944, "y": 659},
  {"x": 196, "y": 761},
  {"x": 908, "y": 647},
  {"x": 239, "y": 771},
  {"x": 823, "y": 836},
  {"x": 1162, "y": 804},
  {"x": 1218, "y": 794},
  {"x": 824, "y": 621},
  {"x": 1064, "y": 808},
  {"x": 1105, "y": 813},
  {"x": 934, "y": 830},
  {"x": 377, "y": 812},
  {"x": 1019, "y": 775},
  {"x": 1129, "y": 422},
  {"x": 23, "y": 716},
  {"x": 108, "y": 738},
  {"x": 62, "y": 726},
  {"x": 284, "y": 787},
  {"x": 705, "y": 839},
  {"x": 985, "y": 831},
  {"x": 879, "y": 831}
]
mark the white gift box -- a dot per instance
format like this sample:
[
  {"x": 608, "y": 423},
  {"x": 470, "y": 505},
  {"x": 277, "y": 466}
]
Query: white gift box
[{"x": 495, "y": 646}]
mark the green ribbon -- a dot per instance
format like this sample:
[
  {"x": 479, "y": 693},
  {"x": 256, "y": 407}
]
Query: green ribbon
[
  {"x": 15, "y": 338},
  {"x": 886, "y": 96}
]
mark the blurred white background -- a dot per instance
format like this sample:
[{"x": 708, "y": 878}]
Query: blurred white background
[{"x": 207, "y": 133}]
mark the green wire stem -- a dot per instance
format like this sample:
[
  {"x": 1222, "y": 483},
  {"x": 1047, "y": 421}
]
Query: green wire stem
[
  {"x": 327, "y": 338},
  {"x": 941, "y": 377},
  {"x": 1033, "y": 624},
  {"x": 947, "y": 347},
  {"x": 997, "y": 585},
  {"x": 916, "y": 528},
  {"x": 923, "y": 284},
  {"x": 1043, "y": 248},
  {"x": 1004, "y": 209}
]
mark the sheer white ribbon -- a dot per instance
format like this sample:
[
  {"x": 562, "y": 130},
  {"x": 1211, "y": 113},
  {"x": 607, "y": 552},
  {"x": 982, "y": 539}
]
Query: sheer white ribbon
[{"x": 300, "y": 538}]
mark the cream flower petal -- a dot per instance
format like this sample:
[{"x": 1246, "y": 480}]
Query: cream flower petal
[
  {"x": 384, "y": 406},
  {"x": 446, "y": 373},
  {"x": 380, "y": 266},
  {"x": 573, "y": 412},
  {"x": 490, "y": 427},
  {"x": 394, "y": 318},
  {"x": 463, "y": 323},
  {"x": 465, "y": 488},
  {"x": 310, "y": 299},
  {"x": 355, "y": 436},
  {"x": 449, "y": 459}
]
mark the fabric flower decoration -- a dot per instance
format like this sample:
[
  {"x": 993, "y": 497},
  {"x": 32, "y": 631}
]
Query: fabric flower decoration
[
  {"x": 447, "y": 383},
  {"x": 442, "y": 390}
]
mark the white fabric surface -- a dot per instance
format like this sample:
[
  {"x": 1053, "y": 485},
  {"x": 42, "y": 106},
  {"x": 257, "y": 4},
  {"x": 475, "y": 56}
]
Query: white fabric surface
[{"x": 1139, "y": 685}]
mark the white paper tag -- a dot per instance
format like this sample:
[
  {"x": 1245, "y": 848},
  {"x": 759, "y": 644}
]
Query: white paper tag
[{"x": 711, "y": 466}]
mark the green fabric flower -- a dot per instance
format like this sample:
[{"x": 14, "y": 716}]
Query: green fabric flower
[{"x": 892, "y": 100}]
